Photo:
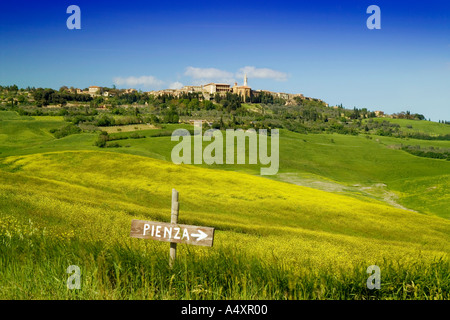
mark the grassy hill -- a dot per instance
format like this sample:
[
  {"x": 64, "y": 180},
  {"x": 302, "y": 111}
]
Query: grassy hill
[
  {"x": 362, "y": 166},
  {"x": 430, "y": 127},
  {"x": 334, "y": 209},
  {"x": 77, "y": 198}
]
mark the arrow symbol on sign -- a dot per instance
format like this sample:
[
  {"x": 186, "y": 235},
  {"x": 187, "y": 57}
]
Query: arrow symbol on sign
[{"x": 200, "y": 236}]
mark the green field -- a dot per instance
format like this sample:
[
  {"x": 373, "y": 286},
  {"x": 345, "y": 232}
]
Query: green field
[
  {"x": 429, "y": 127},
  {"x": 338, "y": 205}
]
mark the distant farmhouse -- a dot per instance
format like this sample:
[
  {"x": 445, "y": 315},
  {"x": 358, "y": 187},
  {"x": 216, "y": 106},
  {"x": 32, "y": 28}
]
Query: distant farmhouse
[
  {"x": 94, "y": 89},
  {"x": 379, "y": 114}
]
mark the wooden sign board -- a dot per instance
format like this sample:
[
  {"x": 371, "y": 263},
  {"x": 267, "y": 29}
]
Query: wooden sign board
[{"x": 174, "y": 233}]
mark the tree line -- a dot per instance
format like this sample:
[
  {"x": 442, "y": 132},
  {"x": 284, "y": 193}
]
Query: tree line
[{"x": 45, "y": 97}]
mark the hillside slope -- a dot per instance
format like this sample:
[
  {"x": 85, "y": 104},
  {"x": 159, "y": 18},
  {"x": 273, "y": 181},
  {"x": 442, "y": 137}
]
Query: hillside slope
[
  {"x": 95, "y": 195},
  {"x": 369, "y": 167}
]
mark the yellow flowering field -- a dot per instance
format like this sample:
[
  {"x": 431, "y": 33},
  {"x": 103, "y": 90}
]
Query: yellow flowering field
[{"x": 89, "y": 198}]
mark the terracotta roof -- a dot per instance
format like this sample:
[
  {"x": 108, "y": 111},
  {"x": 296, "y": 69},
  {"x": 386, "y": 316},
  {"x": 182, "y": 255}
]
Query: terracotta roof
[{"x": 217, "y": 84}]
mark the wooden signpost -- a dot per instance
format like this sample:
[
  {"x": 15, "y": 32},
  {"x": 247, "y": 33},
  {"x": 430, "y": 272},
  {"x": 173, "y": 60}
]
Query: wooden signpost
[{"x": 173, "y": 232}]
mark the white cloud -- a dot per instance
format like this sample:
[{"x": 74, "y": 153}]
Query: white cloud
[
  {"x": 176, "y": 85},
  {"x": 209, "y": 74},
  {"x": 143, "y": 81},
  {"x": 261, "y": 73}
]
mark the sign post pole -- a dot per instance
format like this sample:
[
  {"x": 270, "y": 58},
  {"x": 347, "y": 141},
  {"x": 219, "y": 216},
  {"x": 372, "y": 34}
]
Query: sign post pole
[
  {"x": 174, "y": 220},
  {"x": 173, "y": 232}
]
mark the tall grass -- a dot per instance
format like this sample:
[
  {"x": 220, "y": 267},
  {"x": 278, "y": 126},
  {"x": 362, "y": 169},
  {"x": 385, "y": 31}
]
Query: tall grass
[{"x": 31, "y": 267}]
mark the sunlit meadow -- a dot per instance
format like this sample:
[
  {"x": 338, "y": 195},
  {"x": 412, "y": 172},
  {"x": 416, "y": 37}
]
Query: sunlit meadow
[{"x": 273, "y": 240}]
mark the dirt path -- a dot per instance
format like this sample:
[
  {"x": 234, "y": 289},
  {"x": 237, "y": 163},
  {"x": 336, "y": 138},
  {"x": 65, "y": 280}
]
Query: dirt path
[{"x": 377, "y": 191}]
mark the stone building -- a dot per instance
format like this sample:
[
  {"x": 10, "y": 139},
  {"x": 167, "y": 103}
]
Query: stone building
[
  {"x": 244, "y": 91},
  {"x": 216, "y": 88},
  {"x": 94, "y": 89}
]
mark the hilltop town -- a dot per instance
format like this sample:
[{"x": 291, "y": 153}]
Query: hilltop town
[
  {"x": 220, "y": 105},
  {"x": 209, "y": 90},
  {"x": 206, "y": 92},
  {"x": 111, "y": 111}
]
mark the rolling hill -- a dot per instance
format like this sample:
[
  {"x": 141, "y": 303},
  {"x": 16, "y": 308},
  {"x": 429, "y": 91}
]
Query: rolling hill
[{"x": 64, "y": 202}]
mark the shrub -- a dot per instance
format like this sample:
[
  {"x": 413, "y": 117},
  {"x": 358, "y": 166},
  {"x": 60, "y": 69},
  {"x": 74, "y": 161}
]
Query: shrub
[
  {"x": 65, "y": 131},
  {"x": 102, "y": 139},
  {"x": 105, "y": 121},
  {"x": 113, "y": 145}
]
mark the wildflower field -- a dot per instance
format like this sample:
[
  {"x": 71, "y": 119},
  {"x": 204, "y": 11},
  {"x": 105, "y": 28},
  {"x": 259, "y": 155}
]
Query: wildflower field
[{"x": 65, "y": 202}]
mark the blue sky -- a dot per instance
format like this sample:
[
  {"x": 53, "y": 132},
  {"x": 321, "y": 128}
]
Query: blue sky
[{"x": 322, "y": 49}]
